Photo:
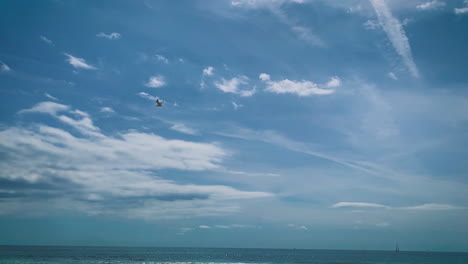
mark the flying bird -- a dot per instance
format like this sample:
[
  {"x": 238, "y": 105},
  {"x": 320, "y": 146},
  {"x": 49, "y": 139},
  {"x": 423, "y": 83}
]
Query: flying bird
[{"x": 159, "y": 103}]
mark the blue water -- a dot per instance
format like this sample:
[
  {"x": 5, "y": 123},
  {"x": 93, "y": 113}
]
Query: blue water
[{"x": 123, "y": 255}]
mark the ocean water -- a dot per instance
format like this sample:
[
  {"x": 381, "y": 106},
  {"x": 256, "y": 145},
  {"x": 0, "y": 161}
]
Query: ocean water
[{"x": 134, "y": 255}]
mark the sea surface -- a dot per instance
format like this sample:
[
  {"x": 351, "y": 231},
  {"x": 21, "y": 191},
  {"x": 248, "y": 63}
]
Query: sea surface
[{"x": 136, "y": 255}]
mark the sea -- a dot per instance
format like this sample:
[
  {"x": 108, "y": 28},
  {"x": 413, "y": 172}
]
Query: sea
[{"x": 148, "y": 255}]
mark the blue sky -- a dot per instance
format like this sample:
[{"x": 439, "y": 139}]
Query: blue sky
[{"x": 286, "y": 123}]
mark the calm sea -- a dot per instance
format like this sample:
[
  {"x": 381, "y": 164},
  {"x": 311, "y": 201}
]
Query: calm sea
[{"x": 122, "y": 255}]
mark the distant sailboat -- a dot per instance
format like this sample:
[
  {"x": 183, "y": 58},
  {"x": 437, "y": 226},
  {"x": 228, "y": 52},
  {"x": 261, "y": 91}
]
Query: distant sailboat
[{"x": 397, "y": 249}]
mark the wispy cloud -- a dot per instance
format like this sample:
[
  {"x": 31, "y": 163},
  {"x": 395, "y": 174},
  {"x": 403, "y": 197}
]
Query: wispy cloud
[
  {"x": 236, "y": 105},
  {"x": 147, "y": 96},
  {"x": 463, "y": 10},
  {"x": 371, "y": 25},
  {"x": 113, "y": 35},
  {"x": 46, "y": 40},
  {"x": 208, "y": 71},
  {"x": 392, "y": 75},
  {"x": 234, "y": 86},
  {"x": 430, "y": 5},
  {"x": 4, "y": 67},
  {"x": 432, "y": 207},
  {"x": 182, "y": 128},
  {"x": 50, "y": 96},
  {"x": 300, "y": 88},
  {"x": 112, "y": 169},
  {"x": 275, "y": 7},
  {"x": 78, "y": 63},
  {"x": 107, "y": 110},
  {"x": 382, "y": 224},
  {"x": 358, "y": 205},
  {"x": 162, "y": 59},
  {"x": 396, "y": 34},
  {"x": 155, "y": 81},
  {"x": 298, "y": 227},
  {"x": 423, "y": 207}
]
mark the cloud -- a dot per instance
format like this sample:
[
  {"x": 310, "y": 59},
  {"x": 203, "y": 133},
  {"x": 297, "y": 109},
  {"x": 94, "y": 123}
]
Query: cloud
[
  {"x": 236, "y": 106},
  {"x": 298, "y": 227},
  {"x": 396, "y": 34},
  {"x": 371, "y": 25},
  {"x": 433, "y": 206},
  {"x": 182, "y": 128},
  {"x": 107, "y": 110},
  {"x": 50, "y": 108},
  {"x": 79, "y": 63},
  {"x": 114, "y": 175},
  {"x": 46, "y": 40},
  {"x": 358, "y": 205},
  {"x": 263, "y": 3},
  {"x": 392, "y": 75},
  {"x": 208, "y": 71},
  {"x": 204, "y": 227},
  {"x": 233, "y": 86},
  {"x": 463, "y": 10},
  {"x": 113, "y": 35},
  {"x": 334, "y": 82},
  {"x": 50, "y": 96},
  {"x": 162, "y": 59},
  {"x": 428, "y": 207},
  {"x": 155, "y": 81},
  {"x": 147, "y": 96},
  {"x": 4, "y": 67},
  {"x": 430, "y": 5},
  {"x": 300, "y": 88},
  {"x": 382, "y": 224},
  {"x": 307, "y": 35},
  {"x": 275, "y": 6}
]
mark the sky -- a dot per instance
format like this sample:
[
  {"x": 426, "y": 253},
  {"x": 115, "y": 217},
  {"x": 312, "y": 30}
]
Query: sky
[{"x": 286, "y": 123}]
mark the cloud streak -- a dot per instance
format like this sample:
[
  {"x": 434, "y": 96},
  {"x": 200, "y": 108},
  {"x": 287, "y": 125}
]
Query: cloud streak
[
  {"x": 395, "y": 32},
  {"x": 300, "y": 88},
  {"x": 79, "y": 63},
  {"x": 234, "y": 86}
]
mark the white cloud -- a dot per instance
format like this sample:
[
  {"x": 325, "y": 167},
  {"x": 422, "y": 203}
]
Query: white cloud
[
  {"x": 112, "y": 169},
  {"x": 107, "y": 110},
  {"x": 262, "y": 3},
  {"x": 204, "y": 227},
  {"x": 431, "y": 5},
  {"x": 358, "y": 205},
  {"x": 113, "y": 35},
  {"x": 300, "y": 88},
  {"x": 147, "y": 96},
  {"x": 307, "y": 35},
  {"x": 463, "y": 10},
  {"x": 396, "y": 34},
  {"x": 433, "y": 206},
  {"x": 50, "y": 108},
  {"x": 50, "y": 96},
  {"x": 155, "y": 81},
  {"x": 298, "y": 227},
  {"x": 382, "y": 224},
  {"x": 182, "y": 128},
  {"x": 46, "y": 40},
  {"x": 236, "y": 106},
  {"x": 334, "y": 82},
  {"x": 78, "y": 63},
  {"x": 392, "y": 75},
  {"x": 162, "y": 59},
  {"x": 233, "y": 86},
  {"x": 208, "y": 71},
  {"x": 371, "y": 25},
  {"x": 4, "y": 67}
]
